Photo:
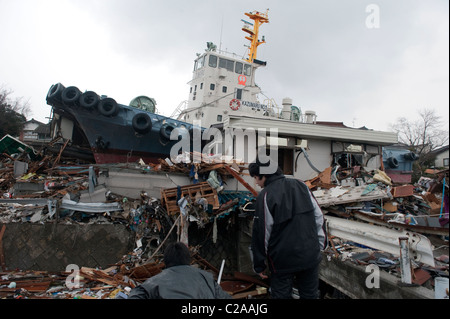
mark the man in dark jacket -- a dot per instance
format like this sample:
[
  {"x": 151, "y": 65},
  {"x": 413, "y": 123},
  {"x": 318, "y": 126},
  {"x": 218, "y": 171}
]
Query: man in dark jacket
[
  {"x": 288, "y": 234},
  {"x": 179, "y": 280}
]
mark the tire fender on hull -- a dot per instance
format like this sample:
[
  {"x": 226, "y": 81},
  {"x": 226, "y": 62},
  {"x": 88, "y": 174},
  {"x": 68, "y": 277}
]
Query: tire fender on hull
[
  {"x": 142, "y": 123},
  {"x": 165, "y": 131},
  {"x": 89, "y": 99},
  {"x": 108, "y": 107},
  {"x": 54, "y": 93},
  {"x": 71, "y": 95}
]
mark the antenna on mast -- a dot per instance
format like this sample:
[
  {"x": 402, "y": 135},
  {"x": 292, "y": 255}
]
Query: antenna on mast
[
  {"x": 221, "y": 30},
  {"x": 259, "y": 19}
]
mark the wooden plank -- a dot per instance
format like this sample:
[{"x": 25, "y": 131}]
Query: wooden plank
[
  {"x": 169, "y": 195},
  {"x": 242, "y": 276},
  {"x": 241, "y": 180},
  {"x": 234, "y": 287},
  {"x": 252, "y": 293},
  {"x": 60, "y": 153}
]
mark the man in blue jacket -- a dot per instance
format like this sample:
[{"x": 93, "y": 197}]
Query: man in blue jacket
[{"x": 288, "y": 234}]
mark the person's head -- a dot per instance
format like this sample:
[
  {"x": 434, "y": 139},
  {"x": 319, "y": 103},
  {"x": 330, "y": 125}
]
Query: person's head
[
  {"x": 176, "y": 254},
  {"x": 259, "y": 171}
]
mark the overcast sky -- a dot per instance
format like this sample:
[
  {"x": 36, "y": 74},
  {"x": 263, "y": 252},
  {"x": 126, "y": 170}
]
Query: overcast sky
[{"x": 364, "y": 63}]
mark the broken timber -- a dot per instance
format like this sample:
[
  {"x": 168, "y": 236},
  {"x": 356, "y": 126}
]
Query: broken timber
[
  {"x": 170, "y": 196},
  {"x": 241, "y": 180}
]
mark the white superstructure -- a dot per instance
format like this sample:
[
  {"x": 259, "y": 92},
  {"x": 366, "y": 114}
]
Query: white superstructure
[{"x": 224, "y": 95}]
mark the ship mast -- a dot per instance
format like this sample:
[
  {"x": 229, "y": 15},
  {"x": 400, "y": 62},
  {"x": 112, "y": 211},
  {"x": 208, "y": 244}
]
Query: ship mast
[{"x": 259, "y": 19}]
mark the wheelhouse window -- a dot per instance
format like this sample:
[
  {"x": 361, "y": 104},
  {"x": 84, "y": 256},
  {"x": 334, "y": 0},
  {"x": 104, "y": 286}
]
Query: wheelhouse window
[
  {"x": 212, "y": 61},
  {"x": 247, "y": 69},
  {"x": 201, "y": 62},
  {"x": 239, "y": 67},
  {"x": 226, "y": 64}
]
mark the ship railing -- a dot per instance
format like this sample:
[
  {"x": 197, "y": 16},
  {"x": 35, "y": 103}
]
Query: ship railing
[
  {"x": 230, "y": 54},
  {"x": 181, "y": 107},
  {"x": 272, "y": 107}
]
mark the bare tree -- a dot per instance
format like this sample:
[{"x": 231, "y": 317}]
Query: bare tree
[
  {"x": 12, "y": 113},
  {"x": 425, "y": 134},
  {"x": 422, "y": 136},
  {"x": 18, "y": 104}
]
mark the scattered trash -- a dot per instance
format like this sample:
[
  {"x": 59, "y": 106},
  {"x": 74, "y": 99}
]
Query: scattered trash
[{"x": 44, "y": 187}]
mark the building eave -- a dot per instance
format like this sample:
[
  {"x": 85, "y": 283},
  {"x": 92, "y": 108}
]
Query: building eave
[{"x": 313, "y": 131}]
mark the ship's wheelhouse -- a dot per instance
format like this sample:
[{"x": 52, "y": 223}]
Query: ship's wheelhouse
[
  {"x": 214, "y": 61},
  {"x": 216, "y": 77}
]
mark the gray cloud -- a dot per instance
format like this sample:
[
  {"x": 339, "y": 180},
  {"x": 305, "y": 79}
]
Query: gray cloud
[{"x": 320, "y": 53}]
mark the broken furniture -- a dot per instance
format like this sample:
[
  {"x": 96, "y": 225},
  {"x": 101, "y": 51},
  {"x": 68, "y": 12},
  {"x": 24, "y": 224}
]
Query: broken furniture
[{"x": 170, "y": 196}]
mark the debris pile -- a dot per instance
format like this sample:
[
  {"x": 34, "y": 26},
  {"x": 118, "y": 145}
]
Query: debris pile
[
  {"x": 420, "y": 212},
  {"x": 42, "y": 188},
  {"x": 52, "y": 189},
  {"x": 115, "y": 282},
  {"x": 371, "y": 196}
]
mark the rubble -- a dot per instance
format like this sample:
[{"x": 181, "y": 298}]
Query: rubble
[
  {"x": 371, "y": 202},
  {"x": 114, "y": 282},
  {"x": 48, "y": 188},
  {"x": 55, "y": 189}
]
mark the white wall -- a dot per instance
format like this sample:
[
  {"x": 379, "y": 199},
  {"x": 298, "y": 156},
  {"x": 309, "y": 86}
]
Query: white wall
[
  {"x": 319, "y": 153},
  {"x": 439, "y": 161}
]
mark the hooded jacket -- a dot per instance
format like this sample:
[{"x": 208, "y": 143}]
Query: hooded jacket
[{"x": 288, "y": 227}]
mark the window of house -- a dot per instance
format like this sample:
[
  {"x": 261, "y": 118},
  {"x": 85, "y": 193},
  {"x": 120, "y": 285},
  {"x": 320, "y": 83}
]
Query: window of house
[
  {"x": 212, "y": 86},
  {"x": 446, "y": 162},
  {"x": 224, "y": 89},
  {"x": 286, "y": 160},
  {"x": 348, "y": 160}
]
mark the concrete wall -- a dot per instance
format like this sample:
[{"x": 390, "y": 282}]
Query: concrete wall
[
  {"x": 351, "y": 279},
  {"x": 51, "y": 247},
  {"x": 131, "y": 183}
]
